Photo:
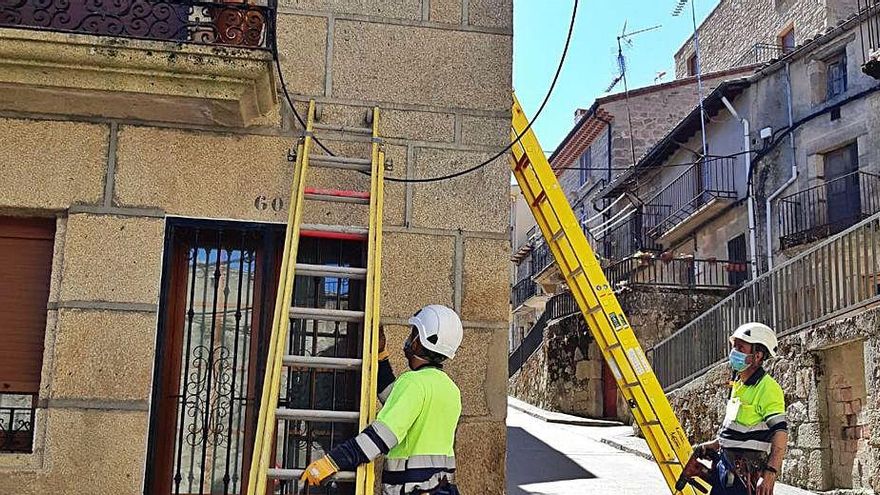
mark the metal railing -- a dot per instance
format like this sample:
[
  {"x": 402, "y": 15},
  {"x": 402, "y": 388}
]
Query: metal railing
[
  {"x": 627, "y": 238},
  {"x": 17, "y": 426},
  {"x": 530, "y": 343},
  {"x": 690, "y": 273},
  {"x": 826, "y": 209},
  {"x": 834, "y": 278},
  {"x": 700, "y": 184},
  {"x": 231, "y": 23},
  {"x": 762, "y": 52},
  {"x": 541, "y": 257},
  {"x": 561, "y": 305},
  {"x": 870, "y": 31},
  {"x": 522, "y": 291}
]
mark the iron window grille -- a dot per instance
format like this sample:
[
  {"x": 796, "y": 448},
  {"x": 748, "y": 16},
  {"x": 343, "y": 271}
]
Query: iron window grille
[{"x": 17, "y": 420}]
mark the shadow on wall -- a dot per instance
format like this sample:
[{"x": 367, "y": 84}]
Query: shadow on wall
[{"x": 522, "y": 451}]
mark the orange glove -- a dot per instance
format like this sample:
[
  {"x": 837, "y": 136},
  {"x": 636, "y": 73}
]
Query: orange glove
[{"x": 319, "y": 470}]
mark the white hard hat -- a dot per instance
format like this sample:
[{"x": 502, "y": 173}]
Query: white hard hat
[
  {"x": 757, "y": 333},
  {"x": 439, "y": 329}
]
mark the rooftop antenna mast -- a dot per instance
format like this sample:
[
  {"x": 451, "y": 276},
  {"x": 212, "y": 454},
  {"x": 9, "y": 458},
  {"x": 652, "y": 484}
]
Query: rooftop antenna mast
[
  {"x": 625, "y": 38},
  {"x": 677, "y": 11}
]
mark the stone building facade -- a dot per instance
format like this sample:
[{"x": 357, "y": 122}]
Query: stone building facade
[
  {"x": 741, "y": 32},
  {"x": 123, "y": 146}
]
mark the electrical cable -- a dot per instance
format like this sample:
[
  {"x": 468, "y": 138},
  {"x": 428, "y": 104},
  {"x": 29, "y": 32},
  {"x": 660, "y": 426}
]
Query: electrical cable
[{"x": 461, "y": 172}]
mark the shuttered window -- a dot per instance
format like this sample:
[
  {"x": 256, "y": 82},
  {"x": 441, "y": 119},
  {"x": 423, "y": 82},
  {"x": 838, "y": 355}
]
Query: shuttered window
[{"x": 26, "y": 247}]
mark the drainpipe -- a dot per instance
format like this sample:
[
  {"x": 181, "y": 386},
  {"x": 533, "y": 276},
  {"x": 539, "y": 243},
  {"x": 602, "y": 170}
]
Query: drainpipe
[
  {"x": 750, "y": 196},
  {"x": 794, "y": 171}
]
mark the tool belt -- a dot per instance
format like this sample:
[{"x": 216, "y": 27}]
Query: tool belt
[{"x": 745, "y": 466}]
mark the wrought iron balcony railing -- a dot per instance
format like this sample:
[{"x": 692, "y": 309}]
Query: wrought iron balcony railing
[
  {"x": 627, "y": 238},
  {"x": 699, "y": 185},
  {"x": 17, "y": 415},
  {"x": 561, "y": 305},
  {"x": 829, "y": 208},
  {"x": 242, "y": 23},
  {"x": 763, "y": 52},
  {"x": 691, "y": 273},
  {"x": 523, "y": 291},
  {"x": 869, "y": 11}
]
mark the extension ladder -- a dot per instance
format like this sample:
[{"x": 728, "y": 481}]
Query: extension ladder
[
  {"x": 262, "y": 465},
  {"x": 597, "y": 302}
]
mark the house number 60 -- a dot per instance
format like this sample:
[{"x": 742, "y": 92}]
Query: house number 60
[{"x": 262, "y": 203}]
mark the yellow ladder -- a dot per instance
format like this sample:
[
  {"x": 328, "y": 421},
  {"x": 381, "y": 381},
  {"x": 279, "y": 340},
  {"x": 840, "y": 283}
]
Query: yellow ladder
[
  {"x": 262, "y": 464},
  {"x": 599, "y": 305}
]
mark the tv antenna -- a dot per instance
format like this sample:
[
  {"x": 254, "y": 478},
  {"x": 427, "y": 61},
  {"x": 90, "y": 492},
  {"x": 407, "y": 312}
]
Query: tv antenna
[{"x": 625, "y": 38}]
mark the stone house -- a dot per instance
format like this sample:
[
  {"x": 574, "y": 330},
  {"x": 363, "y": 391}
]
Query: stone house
[
  {"x": 816, "y": 205},
  {"x": 742, "y": 32},
  {"x": 145, "y": 175}
]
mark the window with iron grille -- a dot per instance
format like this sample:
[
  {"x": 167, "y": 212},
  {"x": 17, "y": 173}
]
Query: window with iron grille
[
  {"x": 26, "y": 247},
  {"x": 217, "y": 305},
  {"x": 585, "y": 164},
  {"x": 835, "y": 68}
]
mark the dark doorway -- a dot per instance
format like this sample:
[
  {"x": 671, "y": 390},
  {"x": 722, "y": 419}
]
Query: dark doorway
[
  {"x": 737, "y": 256},
  {"x": 844, "y": 202},
  {"x": 609, "y": 392}
]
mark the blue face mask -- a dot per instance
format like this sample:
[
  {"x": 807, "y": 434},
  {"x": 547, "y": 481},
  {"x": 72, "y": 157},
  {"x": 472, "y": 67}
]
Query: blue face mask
[{"x": 738, "y": 360}]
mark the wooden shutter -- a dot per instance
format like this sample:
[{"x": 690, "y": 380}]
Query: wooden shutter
[{"x": 26, "y": 247}]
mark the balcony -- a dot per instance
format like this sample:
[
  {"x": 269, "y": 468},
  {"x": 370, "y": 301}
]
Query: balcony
[
  {"x": 17, "y": 413},
  {"x": 181, "y": 61},
  {"x": 762, "y": 53},
  {"x": 829, "y": 208},
  {"x": 527, "y": 294},
  {"x": 561, "y": 306},
  {"x": 648, "y": 270},
  {"x": 627, "y": 238},
  {"x": 870, "y": 12},
  {"x": 695, "y": 196}
]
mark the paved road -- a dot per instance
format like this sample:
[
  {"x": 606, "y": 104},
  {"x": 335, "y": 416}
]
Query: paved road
[
  {"x": 548, "y": 459},
  {"x": 555, "y": 459}
]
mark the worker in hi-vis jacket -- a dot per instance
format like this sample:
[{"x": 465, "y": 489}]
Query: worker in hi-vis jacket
[{"x": 415, "y": 430}]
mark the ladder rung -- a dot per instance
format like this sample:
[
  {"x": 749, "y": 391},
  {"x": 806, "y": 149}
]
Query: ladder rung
[
  {"x": 614, "y": 346},
  {"x": 337, "y": 196},
  {"x": 328, "y": 161},
  {"x": 632, "y": 384},
  {"x": 577, "y": 271},
  {"x": 295, "y": 474},
  {"x": 330, "y": 271},
  {"x": 321, "y": 363},
  {"x": 672, "y": 462},
  {"x": 318, "y": 415},
  {"x": 342, "y": 128},
  {"x": 342, "y": 232},
  {"x": 559, "y": 234},
  {"x": 652, "y": 423},
  {"x": 323, "y": 314}
]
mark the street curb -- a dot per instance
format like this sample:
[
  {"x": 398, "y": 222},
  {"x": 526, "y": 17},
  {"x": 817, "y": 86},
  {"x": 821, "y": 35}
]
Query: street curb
[
  {"x": 629, "y": 450},
  {"x": 557, "y": 418}
]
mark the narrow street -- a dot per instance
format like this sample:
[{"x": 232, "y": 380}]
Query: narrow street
[{"x": 549, "y": 459}]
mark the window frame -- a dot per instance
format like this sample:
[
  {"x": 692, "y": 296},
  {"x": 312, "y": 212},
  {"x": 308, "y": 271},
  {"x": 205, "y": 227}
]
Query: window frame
[
  {"x": 585, "y": 166},
  {"x": 836, "y": 64},
  {"x": 19, "y": 393}
]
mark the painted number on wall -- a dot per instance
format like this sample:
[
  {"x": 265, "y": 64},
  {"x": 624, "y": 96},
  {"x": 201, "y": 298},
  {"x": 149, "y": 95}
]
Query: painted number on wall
[{"x": 262, "y": 203}]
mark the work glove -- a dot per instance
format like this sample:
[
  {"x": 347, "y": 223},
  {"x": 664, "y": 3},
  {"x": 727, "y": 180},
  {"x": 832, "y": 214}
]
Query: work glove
[{"x": 319, "y": 470}]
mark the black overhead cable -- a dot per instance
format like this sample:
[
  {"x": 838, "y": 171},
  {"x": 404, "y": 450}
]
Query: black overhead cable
[{"x": 466, "y": 171}]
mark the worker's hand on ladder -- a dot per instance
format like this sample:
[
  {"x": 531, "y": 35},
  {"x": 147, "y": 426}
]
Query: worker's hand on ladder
[
  {"x": 383, "y": 353},
  {"x": 319, "y": 471}
]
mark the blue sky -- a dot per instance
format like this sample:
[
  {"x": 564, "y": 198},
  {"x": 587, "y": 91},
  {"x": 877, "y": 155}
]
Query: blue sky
[{"x": 540, "y": 27}]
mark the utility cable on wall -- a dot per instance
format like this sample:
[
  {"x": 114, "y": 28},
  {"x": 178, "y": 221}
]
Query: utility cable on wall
[{"x": 461, "y": 172}]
